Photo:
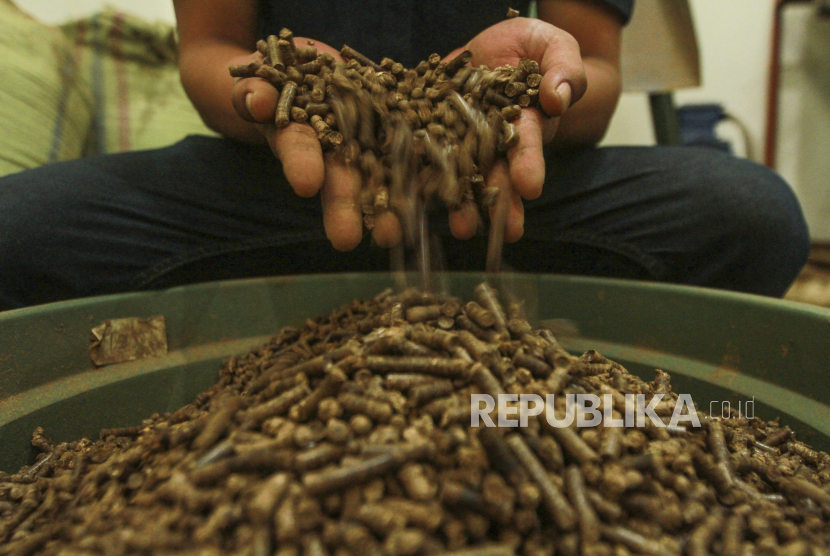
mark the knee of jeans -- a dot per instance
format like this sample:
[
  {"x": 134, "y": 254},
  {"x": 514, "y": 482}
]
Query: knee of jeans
[
  {"x": 752, "y": 200},
  {"x": 776, "y": 215},
  {"x": 765, "y": 219}
]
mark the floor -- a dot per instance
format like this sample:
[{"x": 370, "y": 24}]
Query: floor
[{"x": 813, "y": 284}]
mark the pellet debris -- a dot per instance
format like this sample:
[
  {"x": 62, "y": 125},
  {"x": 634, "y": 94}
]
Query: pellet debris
[
  {"x": 351, "y": 435},
  {"x": 434, "y": 131}
]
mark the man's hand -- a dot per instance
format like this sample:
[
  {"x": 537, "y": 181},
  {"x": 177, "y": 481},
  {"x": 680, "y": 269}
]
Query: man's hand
[
  {"x": 218, "y": 33},
  {"x": 563, "y": 83},
  {"x": 306, "y": 168}
]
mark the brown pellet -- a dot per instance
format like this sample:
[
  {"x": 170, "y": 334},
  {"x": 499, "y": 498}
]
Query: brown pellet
[
  {"x": 352, "y": 54},
  {"x": 287, "y": 94},
  {"x": 556, "y": 503},
  {"x": 306, "y": 53},
  {"x": 458, "y": 62},
  {"x": 350, "y": 435},
  {"x": 245, "y": 70},
  {"x": 274, "y": 53}
]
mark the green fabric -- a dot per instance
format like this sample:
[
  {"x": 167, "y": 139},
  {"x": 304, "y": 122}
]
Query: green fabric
[
  {"x": 45, "y": 105},
  {"x": 130, "y": 66}
]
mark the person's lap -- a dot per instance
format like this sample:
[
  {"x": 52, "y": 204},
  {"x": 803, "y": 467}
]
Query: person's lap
[{"x": 209, "y": 209}]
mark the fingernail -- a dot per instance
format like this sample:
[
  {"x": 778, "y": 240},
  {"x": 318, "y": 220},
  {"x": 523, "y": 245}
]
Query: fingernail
[
  {"x": 564, "y": 92},
  {"x": 248, "y": 102}
]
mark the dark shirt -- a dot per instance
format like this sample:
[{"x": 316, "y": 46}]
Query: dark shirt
[{"x": 407, "y": 31}]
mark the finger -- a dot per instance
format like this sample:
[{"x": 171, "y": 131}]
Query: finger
[
  {"x": 508, "y": 201},
  {"x": 515, "y": 226},
  {"x": 555, "y": 96},
  {"x": 250, "y": 98},
  {"x": 253, "y": 98},
  {"x": 558, "y": 54},
  {"x": 342, "y": 218},
  {"x": 387, "y": 231},
  {"x": 298, "y": 149},
  {"x": 560, "y": 62},
  {"x": 464, "y": 221},
  {"x": 526, "y": 159}
]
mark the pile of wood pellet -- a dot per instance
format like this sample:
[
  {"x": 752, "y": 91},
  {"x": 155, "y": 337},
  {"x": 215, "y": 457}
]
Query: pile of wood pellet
[
  {"x": 434, "y": 131},
  {"x": 351, "y": 435}
]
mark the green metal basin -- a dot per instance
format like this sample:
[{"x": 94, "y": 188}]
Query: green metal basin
[{"x": 720, "y": 347}]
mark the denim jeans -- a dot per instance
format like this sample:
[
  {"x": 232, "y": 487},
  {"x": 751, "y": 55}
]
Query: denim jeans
[{"x": 208, "y": 208}]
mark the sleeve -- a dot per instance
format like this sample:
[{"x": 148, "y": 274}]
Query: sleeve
[{"x": 622, "y": 7}]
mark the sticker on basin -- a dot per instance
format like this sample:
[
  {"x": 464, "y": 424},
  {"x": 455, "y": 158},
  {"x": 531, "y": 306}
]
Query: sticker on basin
[{"x": 128, "y": 339}]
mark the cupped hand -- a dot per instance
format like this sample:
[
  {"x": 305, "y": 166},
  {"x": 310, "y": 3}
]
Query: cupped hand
[
  {"x": 563, "y": 83},
  {"x": 307, "y": 169}
]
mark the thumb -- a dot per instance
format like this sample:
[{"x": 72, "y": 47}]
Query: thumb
[{"x": 560, "y": 63}]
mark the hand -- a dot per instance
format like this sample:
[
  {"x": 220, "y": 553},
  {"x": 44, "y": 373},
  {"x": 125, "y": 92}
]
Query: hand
[
  {"x": 306, "y": 168},
  {"x": 563, "y": 83}
]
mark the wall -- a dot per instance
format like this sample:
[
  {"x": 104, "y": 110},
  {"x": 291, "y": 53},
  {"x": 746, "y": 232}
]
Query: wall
[{"x": 803, "y": 139}]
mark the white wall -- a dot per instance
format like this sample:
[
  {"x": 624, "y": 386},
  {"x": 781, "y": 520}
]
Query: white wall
[
  {"x": 734, "y": 39},
  {"x": 803, "y": 139}
]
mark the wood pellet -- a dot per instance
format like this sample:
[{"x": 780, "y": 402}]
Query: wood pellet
[
  {"x": 432, "y": 132},
  {"x": 351, "y": 435}
]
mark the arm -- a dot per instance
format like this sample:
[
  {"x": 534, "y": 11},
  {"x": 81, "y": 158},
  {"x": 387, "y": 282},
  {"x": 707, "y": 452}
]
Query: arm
[
  {"x": 598, "y": 31},
  {"x": 211, "y": 36}
]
